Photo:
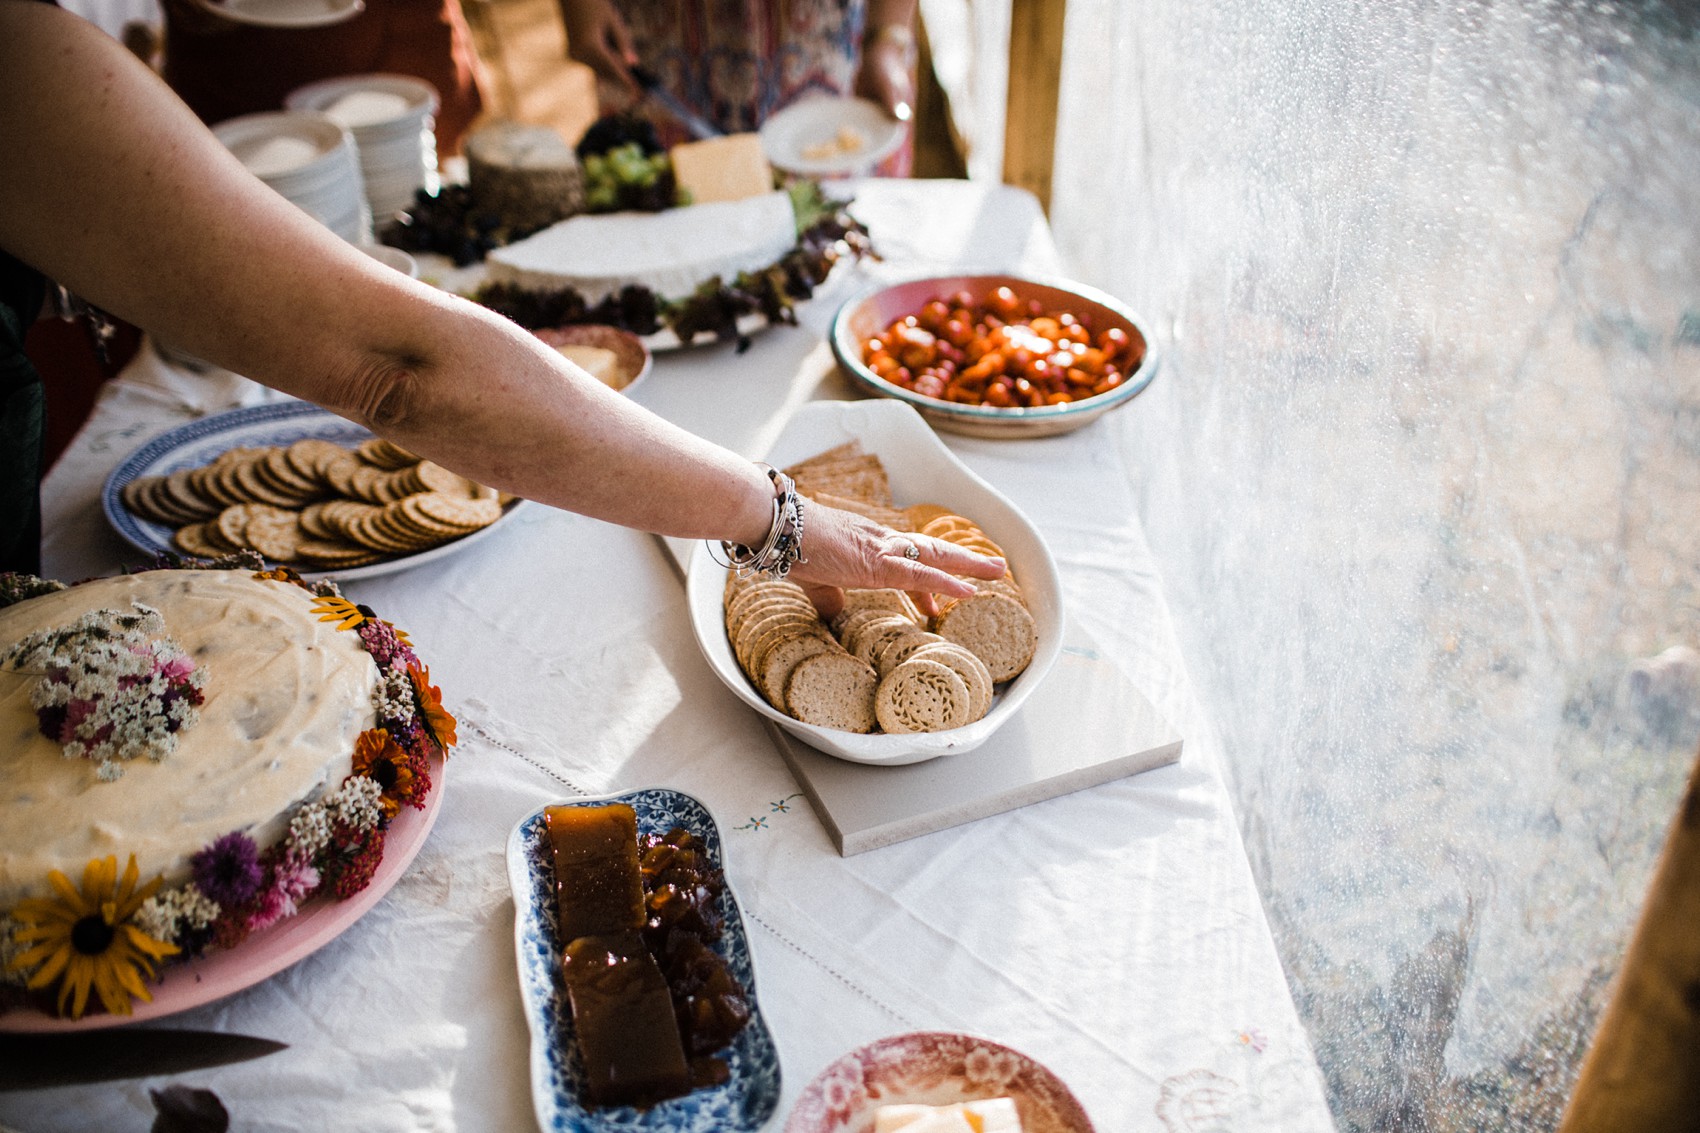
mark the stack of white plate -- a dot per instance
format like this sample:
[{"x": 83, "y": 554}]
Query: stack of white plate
[
  {"x": 392, "y": 118},
  {"x": 309, "y": 159}
]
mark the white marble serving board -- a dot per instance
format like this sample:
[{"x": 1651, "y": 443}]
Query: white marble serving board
[{"x": 1085, "y": 725}]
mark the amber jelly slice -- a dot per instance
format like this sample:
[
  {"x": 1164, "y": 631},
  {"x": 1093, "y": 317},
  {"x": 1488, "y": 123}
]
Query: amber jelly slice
[
  {"x": 628, "y": 1038},
  {"x": 598, "y": 885}
]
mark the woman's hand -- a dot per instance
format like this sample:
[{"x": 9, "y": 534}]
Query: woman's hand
[
  {"x": 887, "y": 72},
  {"x": 844, "y": 549},
  {"x": 598, "y": 37}
]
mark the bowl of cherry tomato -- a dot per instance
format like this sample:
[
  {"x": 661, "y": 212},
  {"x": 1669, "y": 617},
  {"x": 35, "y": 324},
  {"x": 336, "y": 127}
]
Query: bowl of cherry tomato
[{"x": 995, "y": 355}]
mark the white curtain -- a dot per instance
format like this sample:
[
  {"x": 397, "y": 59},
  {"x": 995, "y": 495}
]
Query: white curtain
[{"x": 1422, "y": 463}]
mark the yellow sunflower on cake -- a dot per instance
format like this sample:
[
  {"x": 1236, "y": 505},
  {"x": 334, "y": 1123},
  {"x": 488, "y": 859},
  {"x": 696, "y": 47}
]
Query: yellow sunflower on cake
[{"x": 85, "y": 939}]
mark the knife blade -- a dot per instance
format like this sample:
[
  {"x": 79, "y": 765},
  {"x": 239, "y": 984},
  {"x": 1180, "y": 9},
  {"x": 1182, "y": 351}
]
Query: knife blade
[
  {"x": 37, "y": 1061},
  {"x": 698, "y": 126}
]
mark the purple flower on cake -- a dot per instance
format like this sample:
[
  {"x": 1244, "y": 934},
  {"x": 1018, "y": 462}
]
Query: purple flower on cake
[{"x": 228, "y": 871}]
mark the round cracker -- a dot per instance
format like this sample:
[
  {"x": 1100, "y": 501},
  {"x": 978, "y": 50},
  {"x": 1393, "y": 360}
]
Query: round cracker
[
  {"x": 833, "y": 690},
  {"x": 866, "y": 638},
  {"x": 434, "y": 477},
  {"x": 922, "y": 696},
  {"x": 970, "y": 668},
  {"x": 180, "y": 489},
  {"x": 900, "y": 649},
  {"x": 192, "y": 539},
  {"x": 467, "y": 514},
  {"x": 310, "y": 455},
  {"x": 995, "y": 628},
  {"x": 232, "y": 525},
  {"x": 782, "y": 658},
  {"x": 275, "y": 532},
  {"x": 752, "y": 630},
  {"x": 385, "y": 454},
  {"x": 890, "y": 601}
]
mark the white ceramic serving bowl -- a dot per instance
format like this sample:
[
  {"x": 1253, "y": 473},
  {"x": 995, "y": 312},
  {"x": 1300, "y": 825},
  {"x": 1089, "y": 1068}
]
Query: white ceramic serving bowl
[
  {"x": 867, "y": 314},
  {"x": 921, "y": 470}
]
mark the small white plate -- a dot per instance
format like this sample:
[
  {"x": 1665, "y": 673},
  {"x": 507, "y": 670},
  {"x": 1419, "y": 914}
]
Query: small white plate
[
  {"x": 831, "y": 137},
  {"x": 921, "y": 470},
  {"x": 198, "y": 442},
  {"x": 287, "y": 13}
]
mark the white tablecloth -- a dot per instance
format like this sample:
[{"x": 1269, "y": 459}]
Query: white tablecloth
[{"x": 1113, "y": 934}]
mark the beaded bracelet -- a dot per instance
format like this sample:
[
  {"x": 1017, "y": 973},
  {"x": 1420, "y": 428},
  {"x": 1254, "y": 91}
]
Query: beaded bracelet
[{"x": 783, "y": 547}]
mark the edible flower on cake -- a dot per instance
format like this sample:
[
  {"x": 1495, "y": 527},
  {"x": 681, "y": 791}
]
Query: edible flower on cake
[
  {"x": 88, "y": 938},
  {"x": 310, "y": 738}
]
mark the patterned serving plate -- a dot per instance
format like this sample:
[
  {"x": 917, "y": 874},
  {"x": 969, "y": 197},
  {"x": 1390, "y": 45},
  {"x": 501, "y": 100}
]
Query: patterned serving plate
[
  {"x": 933, "y": 1068},
  {"x": 198, "y": 442},
  {"x": 743, "y": 1103}
]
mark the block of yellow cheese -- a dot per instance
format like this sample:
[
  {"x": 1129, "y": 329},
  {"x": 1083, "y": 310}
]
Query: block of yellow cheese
[{"x": 722, "y": 169}]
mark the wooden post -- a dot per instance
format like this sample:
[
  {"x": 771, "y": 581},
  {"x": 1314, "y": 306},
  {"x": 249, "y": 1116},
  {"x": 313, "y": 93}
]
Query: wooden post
[
  {"x": 1035, "y": 72},
  {"x": 1642, "y": 1072}
]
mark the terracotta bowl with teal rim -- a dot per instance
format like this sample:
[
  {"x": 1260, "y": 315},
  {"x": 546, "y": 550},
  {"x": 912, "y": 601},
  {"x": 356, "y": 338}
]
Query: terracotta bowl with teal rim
[{"x": 872, "y": 312}]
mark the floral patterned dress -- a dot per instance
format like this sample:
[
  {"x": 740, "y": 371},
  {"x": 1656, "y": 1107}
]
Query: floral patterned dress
[{"x": 735, "y": 62}]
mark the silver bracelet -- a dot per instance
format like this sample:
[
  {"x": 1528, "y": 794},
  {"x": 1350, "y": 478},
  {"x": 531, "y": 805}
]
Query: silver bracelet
[{"x": 783, "y": 547}]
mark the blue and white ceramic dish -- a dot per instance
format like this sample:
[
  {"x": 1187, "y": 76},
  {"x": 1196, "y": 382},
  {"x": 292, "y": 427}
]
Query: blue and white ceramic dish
[
  {"x": 743, "y": 1103},
  {"x": 259, "y": 426}
]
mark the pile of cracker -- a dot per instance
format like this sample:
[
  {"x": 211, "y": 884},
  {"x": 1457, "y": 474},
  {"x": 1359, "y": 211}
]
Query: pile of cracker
[
  {"x": 314, "y": 504},
  {"x": 880, "y": 665}
]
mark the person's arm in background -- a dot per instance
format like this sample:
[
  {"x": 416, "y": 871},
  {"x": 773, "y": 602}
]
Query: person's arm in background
[
  {"x": 115, "y": 190},
  {"x": 597, "y": 36},
  {"x": 886, "y": 73}
]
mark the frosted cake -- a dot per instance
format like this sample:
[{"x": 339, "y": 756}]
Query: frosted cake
[{"x": 190, "y": 755}]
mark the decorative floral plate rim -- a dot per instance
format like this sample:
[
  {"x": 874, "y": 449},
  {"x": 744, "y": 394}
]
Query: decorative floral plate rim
[
  {"x": 267, "y": 952},
  {"x": 744, "y": 1103},
  {"x": 933, "y": 1068},
  {"x": 195, "y": 442}
]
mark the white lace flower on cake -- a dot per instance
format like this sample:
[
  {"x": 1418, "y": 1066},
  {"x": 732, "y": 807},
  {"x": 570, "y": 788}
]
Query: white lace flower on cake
[{"x": 110, "y": 686}]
